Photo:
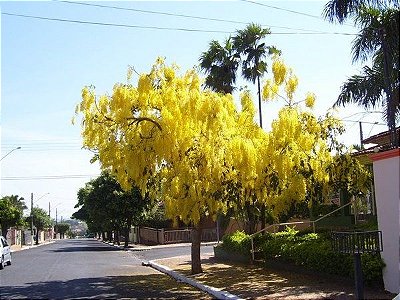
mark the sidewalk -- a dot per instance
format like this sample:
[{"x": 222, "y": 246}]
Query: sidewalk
[
  {"x": 15, "y": 248},
  {"x": 256, "y": 281}
]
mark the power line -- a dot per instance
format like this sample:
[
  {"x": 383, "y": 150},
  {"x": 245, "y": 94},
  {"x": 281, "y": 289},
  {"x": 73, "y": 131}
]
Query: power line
[
  {"x": 44, "y": 146},
  {"x": 283, "y": 9},
  {"x": 113, "y": 24},
  {"x": 55, "y": 141},
  {"x": 156, "y": 27},
  {"x": 179, "y": 15},
  {"x": 47, "y": 177},
  {"x": 288, "y": 10},
  {"x": 363, "y": 113},
  {"x": 314, "y": 33},
  {"x": 364, "y": 122},
  {"x": 153, "y": 12}
]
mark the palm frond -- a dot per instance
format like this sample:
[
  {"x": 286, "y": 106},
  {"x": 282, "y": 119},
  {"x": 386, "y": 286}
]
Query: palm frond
[
  {"x": 340, "y": 10},
  {"x": 368, "y": 90},
  {"x": 220, "y": 64},
  {"x": 365, "y": 90},
  {"x": 378, "y": 27}
]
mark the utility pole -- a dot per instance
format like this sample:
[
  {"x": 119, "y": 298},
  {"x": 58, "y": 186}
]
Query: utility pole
[
  {"x": 31, "y": 219},
  {"x": 56, "y": 223},
  {"x": 391, "y": 108},
  {"x": 49, "y": 208}
]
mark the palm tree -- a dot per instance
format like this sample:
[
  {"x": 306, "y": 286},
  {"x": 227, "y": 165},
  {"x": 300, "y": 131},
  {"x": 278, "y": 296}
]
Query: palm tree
[
  {"x": 17, "y": 201},
  {"x": 340, "y": 10},
  {"x": 220, "y": 63},
  {"x": 377, "y": 85},
  {"x": 247, "y": 42}
]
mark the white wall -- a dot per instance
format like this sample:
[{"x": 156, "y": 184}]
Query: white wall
[{"x": 387, "y": 192}]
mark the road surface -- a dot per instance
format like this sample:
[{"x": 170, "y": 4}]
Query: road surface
[{"x": 87, "y": 268}]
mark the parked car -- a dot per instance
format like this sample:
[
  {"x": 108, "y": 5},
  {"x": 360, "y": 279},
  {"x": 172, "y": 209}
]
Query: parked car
[{"x": 5, "y": 253}]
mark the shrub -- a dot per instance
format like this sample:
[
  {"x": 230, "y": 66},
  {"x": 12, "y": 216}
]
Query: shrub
[
  {"x": 310, "y": 250},
  {"x": 314, "y": 251},
  {"x": 237, "y": 242},
  {"x": 372, "y": 266}
]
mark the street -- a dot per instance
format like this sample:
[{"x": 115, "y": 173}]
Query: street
[{"x": 86, "y": 268}]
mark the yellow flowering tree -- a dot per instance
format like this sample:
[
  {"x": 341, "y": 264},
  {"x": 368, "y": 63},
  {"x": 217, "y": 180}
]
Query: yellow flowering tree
[
  {"x": 244, "y": 161},
  {"x": 199, "y": 145},
  {"x": 301, "y": 148},
  {"x": 168, "y": 127}
]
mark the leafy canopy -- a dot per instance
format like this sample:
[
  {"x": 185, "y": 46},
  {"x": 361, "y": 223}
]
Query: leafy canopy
[
  {"x": 11, "y": 212},
  {"x": 199, "y": 144}
]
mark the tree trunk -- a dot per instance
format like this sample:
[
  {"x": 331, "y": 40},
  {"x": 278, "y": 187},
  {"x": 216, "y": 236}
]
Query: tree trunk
[
  {"x": 196, "y": 240},
  {"x": 391, "y": 105},
  {"x": 263, "y": 209},
  {"x": 103, "y": 235},
  {"x": 127, "y": 231},
  {"x": 37, "y": 237},
  {"x": 251, "y": 224},
  {"x": 126, "y": 243},
  {"x": 109, "y": 235},
  {"x": 117, "y": 237},
  {"x": 259, "y": 100}
]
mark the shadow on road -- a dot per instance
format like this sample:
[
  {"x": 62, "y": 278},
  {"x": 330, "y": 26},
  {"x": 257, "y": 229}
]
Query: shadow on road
[
  {"x": 85, "y": 249},
  {"x": 84, "y": 246},
  {"x": 136, "y": 286}
]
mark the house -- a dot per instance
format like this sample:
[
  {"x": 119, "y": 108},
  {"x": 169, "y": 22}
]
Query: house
[
  {"x": 381, "y": 140},
  {"x": 385, "y": 160}
]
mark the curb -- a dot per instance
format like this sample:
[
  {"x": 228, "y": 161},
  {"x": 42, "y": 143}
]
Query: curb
[
  {"x": 145, "y": 248},
  {"x": 217, "y": 293},
  {"x": 31, "y": 247}
]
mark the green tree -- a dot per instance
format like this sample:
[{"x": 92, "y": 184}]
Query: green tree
[
  {"x": 11, "y": 212},
  {"x": 106, "y": 207},
  {"x": 220, "y": 63},
  {"x": 248, "y": 43},
  {"x": 378, "y": 40},
  {"x": 41, "y": 221},
  {"x": 62, "y": 228}
]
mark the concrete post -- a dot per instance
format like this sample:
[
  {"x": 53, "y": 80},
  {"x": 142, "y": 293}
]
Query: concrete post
[{"x": 161, "y": 233}]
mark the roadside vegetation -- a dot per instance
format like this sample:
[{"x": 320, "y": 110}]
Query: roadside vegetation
[
  {"x": 168, "y": 136},
  {"x": 310, "y": 251}
]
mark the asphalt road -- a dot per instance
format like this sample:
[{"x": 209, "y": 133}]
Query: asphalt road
[{"x": 89, "y": 269}]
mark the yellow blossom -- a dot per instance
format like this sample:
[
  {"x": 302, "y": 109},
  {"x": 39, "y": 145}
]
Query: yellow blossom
[{"x": 310, "y": 100}]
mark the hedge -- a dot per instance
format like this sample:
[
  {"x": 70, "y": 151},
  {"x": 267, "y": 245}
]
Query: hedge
[{"x": 312, "y": 251}]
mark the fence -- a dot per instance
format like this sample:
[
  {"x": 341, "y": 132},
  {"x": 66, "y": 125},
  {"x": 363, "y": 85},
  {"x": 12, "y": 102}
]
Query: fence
[
  {"x": 154, "y": 236},
  {"x": 357, "y": 242},
  {"x": 280, "y": 225}
]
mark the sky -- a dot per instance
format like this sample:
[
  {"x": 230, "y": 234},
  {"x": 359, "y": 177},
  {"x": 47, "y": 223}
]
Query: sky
[{"x": 49, "y": 52}]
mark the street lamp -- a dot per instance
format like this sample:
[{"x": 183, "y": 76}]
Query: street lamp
[
  {"x": 10, "y": 152},
  {"x": 41, "y": 197},
  {"x": 55, "y": 227}
]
